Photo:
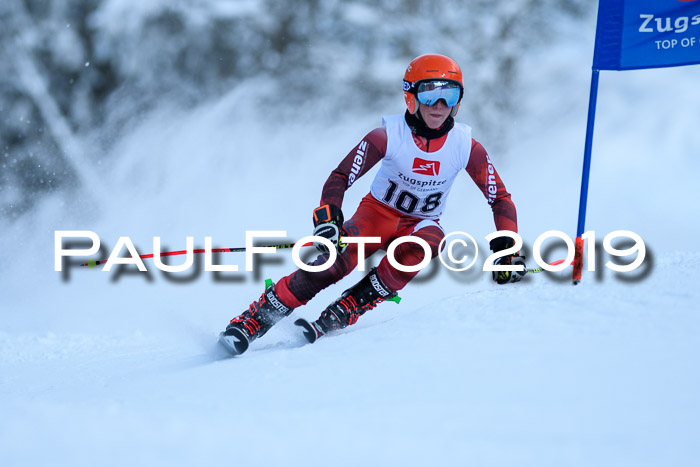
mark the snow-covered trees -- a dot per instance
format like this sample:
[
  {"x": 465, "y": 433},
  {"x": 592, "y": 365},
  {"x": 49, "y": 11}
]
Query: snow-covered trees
[{"x": 76, "y": 73}]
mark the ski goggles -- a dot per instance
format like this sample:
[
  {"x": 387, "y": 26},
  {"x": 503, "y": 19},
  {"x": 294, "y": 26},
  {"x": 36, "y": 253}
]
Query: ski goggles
[{"x": 430, "y": 92}]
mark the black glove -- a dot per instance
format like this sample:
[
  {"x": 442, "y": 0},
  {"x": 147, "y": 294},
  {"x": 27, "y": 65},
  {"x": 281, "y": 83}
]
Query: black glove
[
  {"x": 328, "y": 223},
  {"x": 504, "y": 277}
]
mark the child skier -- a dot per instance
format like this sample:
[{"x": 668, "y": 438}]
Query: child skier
[{"x": 421, "y": 153}]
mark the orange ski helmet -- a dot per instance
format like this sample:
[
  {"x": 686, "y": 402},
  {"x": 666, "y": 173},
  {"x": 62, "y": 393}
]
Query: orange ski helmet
[{"x": 430, "y": 67}]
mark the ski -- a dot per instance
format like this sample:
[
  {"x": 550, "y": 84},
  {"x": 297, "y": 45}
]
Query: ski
[
  {"x": 311, "y": 332},
  {"x": 234, "y": 341}
]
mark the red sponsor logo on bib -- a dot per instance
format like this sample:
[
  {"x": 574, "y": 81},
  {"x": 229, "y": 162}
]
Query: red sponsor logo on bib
[{"x": 422, "y": 166}]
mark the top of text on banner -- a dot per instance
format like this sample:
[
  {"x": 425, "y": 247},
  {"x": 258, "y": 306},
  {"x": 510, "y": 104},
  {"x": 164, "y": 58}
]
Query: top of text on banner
[{"x": 633, "y": 34}]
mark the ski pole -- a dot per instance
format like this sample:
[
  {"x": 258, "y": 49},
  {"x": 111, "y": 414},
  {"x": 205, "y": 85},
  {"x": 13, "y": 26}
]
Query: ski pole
[{"x": 92, "y": 263}]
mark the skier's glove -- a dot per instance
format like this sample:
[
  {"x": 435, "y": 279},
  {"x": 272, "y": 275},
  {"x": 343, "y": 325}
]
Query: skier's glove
[
  {"x": 504, "y": 277},
  {"x": 328, "y": 223}
]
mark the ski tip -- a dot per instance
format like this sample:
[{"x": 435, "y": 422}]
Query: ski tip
[
  {"x": 309, "y": 331},
  {"x": 234, "y": 341}
]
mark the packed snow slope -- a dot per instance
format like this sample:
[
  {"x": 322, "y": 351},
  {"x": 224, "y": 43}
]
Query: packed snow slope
[{"x": 102, "y": 368}]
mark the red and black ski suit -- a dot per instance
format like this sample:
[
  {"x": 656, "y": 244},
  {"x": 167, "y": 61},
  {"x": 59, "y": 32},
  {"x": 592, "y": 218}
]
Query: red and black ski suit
[{"x": 375, "y": 219}]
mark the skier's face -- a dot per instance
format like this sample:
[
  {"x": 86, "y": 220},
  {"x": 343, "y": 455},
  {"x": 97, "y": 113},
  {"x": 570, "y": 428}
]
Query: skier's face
[{"x": 435, "y": 115}]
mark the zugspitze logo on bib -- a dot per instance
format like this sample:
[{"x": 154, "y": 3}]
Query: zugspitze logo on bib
[{"x": 421, "y": 166}]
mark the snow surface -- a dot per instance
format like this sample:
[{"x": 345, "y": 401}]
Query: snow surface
[{"x": 121, "y": 369}]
